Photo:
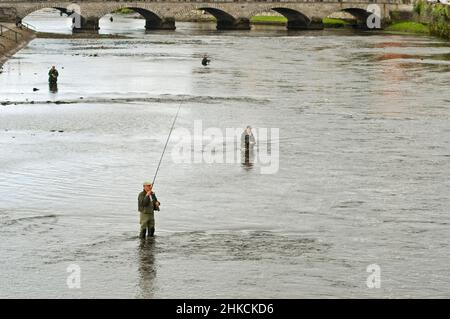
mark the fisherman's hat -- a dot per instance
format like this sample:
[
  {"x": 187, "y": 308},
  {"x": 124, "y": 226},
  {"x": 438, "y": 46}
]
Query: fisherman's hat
[{"x": 147, "y": 183}]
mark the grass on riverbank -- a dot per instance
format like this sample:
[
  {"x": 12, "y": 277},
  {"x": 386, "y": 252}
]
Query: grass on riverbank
[
  {"x": 268, "y": 20},
  {"x": 334, "y": 23},
  {"x": 327, "y": 22},
  {"x": 124, "y": 11},
  {"x": 409, "y": 27}
]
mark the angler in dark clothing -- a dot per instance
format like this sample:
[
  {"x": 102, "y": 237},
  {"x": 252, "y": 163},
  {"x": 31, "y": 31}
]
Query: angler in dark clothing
[
  {"x": 248, "y": 142},
  {"x": 247, "y": 138},
  {"x": 205, "y": 60},
  {"x": 19, "y": 22},
  {"x": 147, "y": 204},
  {"x": 53, "y": 76}
]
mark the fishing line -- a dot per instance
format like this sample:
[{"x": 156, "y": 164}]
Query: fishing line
[{"x": 167, "y": 142}]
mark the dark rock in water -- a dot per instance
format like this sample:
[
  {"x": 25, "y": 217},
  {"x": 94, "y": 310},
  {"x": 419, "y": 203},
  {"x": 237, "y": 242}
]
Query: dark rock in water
[
  {"x": 32, "y": 102},
  {"x": 35, "y": 89},
  {"x": 52, "y": 131},
  {"x": 61, "y": 131}
]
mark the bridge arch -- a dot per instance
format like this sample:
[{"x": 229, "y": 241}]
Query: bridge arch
[
  {"x": 83, "y": 20},
  {"x": 53, "y": 12},
  {"x": 361, "y": 15},
  {"x": 26, "y": 10},
  {"x": 153, "y": 18},
  {"x": 226, "y": 21},
  {"x": 296, "y": 17}
]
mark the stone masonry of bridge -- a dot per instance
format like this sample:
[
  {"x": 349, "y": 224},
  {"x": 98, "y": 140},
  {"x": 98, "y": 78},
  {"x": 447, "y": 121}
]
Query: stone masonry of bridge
[{"x": 230, "y": 14}]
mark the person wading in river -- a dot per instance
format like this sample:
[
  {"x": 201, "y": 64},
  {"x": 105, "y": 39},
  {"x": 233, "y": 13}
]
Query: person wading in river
[
  {"x": 247, "y": 138},
  {"x": 53, "y": 76},
  {"x": 147, "y": 204},
  {"x": 205, "y": 60}
]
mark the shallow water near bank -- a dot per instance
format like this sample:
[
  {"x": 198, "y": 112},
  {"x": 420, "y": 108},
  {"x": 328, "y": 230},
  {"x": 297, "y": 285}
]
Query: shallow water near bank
[{"x": 363, "y": 165}]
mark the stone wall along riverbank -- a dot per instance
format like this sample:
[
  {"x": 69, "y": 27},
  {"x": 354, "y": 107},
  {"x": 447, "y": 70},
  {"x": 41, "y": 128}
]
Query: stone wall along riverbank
[{"x": 12, "y": 39}]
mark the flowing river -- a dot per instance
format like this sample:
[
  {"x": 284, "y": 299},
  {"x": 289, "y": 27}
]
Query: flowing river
[{"x": 358, "y": 138}]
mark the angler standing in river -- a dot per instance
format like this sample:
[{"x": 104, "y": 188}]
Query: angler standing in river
[
  {"x": 205, "y": 60},
  {"x": 53, "y": 79},
  {"x": 53, "y": 76},
  {"x": 147, "y": 204},
  {"x": 247, "y": 138}
]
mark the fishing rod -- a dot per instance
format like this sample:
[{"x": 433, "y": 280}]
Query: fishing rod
[{"x": 167, "y": 142}]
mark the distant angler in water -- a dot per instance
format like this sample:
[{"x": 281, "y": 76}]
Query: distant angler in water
[
  {"x": 53, "y": 79},
  {"x": 205, "y": 60}
]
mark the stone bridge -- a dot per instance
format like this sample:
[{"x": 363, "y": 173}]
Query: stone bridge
[{"x": 230, "y": 14}]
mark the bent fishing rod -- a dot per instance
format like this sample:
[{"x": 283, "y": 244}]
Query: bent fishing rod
[{"x": 167, "y": 142}]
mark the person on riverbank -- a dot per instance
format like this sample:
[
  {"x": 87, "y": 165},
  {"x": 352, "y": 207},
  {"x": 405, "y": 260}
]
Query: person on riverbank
[
  {"x": 205, "y": 60},
  {"x": 19, "y": 22},
  {"x": 53, "y": 76},
  {"x": 147, "y": 205}
]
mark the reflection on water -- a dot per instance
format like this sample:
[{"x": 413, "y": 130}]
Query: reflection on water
[
  {"x": 147, "y": 269},
  {"x": 363, "y": 174},
  {"x": 248, "y": 158}
]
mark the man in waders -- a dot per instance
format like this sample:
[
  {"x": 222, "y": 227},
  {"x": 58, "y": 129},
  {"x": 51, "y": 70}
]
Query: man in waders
[
  {"x": 53, "y": 76},
  {"x": 247, "y": 138},
  {"x": 147, "y": 204}
]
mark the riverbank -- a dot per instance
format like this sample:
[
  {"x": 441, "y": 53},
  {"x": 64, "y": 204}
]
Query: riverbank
[
  {"x": 9, "y": 44},
  {"x": 408, "y": 27},
  {"x": 427, "y": 19},
  {"x": 268, "y": 20},
  {"x": 436, "y": 16}
]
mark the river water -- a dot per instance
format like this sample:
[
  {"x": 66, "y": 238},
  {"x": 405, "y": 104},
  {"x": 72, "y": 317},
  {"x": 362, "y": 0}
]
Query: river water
[{"x": 363, "y": 164}]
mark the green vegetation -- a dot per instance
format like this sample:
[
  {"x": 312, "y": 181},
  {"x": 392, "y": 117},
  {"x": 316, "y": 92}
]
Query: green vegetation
[
  {"x": 328, "y": 22},
  {"x": 268, "y": 20},
  {"x": 440, "y": 21},
  {"x": 334, "y": 23},
  {"x": 420, "y": 7},
  {"x": 124, "y": 11},
  {"x": 436, "y": 16},
  {"x": 408, "y": 26}
]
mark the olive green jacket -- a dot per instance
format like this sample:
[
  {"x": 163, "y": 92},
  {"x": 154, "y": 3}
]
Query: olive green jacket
[
  {"x": 144, "y": 204},
  {"x": 53, "y": 76}
]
